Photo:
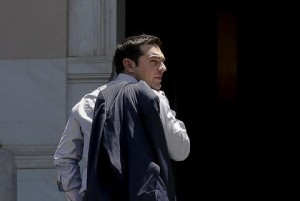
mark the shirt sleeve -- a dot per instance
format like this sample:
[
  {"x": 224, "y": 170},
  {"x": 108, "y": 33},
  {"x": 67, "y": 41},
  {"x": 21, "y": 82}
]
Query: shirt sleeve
[
  {"x": 67, "y": 157},
  {"x": 178, "y": 142}
]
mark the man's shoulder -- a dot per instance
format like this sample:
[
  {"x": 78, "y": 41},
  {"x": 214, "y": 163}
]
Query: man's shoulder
[
  {"x": 95, "y": 93},
  {"x": 144, "y": 92},
  {"x": 89, "y": 99}
]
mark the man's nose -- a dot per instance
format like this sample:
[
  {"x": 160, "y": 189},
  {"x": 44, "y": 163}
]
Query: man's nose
[{"x": 162, "y": 67}]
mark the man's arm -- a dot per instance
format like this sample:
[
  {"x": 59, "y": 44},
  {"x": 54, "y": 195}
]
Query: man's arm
[
  {"x": 178, "y": 142},
  {"x": 66, "y": 159}
]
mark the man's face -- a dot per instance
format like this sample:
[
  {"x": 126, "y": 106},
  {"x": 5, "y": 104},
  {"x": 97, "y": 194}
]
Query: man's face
[{"x": 150, "y": 67}]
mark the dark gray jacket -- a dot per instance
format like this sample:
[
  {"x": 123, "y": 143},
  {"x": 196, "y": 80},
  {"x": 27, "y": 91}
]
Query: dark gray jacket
[{"x": 128, "y": 156}]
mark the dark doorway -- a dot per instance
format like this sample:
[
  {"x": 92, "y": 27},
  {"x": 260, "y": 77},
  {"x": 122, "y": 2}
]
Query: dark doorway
[
  {"x": 228, "y": 141},
  {"x": 189, "y": 36}
]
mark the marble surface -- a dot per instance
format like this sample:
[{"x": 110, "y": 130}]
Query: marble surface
[
  {"x": 39, "y": 85},
  {"x": 33, "y": 116},
  {"x": 33, "y": 101},
  {"x": 38, "y": 185}
]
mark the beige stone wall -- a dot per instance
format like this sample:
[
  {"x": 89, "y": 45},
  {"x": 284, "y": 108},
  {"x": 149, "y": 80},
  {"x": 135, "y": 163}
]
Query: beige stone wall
[{"x": 33, "y": 29}]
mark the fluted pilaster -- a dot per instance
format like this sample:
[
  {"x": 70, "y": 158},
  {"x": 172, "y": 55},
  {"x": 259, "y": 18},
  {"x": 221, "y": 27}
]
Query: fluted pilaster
[{"x": 92, "y": 28}]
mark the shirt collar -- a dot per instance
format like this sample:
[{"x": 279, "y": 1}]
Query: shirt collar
[{"x": 125, "y": 77}]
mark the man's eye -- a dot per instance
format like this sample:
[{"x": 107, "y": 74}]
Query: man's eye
[{"x": 154, "y": 61}]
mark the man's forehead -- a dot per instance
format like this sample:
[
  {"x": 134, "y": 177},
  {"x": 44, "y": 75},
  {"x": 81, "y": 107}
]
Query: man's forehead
[{"x": 152, "y": 51}]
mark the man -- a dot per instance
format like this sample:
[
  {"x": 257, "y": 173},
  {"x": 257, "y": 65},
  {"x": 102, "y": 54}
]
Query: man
[{"x": 136, "y": 58}]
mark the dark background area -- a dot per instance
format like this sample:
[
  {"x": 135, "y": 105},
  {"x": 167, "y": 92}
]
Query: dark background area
[
  {"x": 231, "y": 143},
  {"x": 189, "y": 34}
]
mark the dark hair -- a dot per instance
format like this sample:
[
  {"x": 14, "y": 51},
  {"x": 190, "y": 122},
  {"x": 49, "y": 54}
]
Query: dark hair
[{"x": 130, "y": 48}]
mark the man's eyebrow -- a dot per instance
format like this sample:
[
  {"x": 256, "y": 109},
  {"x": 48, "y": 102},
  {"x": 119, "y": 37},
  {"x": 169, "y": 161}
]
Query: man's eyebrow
[{"x": 157, "y": 56}]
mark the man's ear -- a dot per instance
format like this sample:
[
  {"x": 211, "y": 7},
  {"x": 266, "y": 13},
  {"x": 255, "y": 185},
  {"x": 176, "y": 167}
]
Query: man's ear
[{"x": 128, "y": 65}]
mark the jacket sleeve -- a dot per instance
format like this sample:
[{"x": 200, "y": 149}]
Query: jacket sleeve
[
  {"x": 178, "y": 142},
  {"x": 66, "y": 159}
]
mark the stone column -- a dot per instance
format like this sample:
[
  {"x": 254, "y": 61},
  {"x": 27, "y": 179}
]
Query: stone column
[
  {"x": 92, "y": 28},
  {"x": 92, "y": 39},
  {"x": 8, "y": 176}
]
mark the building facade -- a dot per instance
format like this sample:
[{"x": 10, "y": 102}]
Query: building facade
[{"x": 52, "y": 52}]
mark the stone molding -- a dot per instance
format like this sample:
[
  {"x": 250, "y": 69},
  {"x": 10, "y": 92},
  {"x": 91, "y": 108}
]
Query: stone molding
[
  {"x": 89, "y": 69},
  {"x": 33, "y": 157}
]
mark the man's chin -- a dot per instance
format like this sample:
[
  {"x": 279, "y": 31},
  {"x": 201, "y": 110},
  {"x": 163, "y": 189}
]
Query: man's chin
[{"x": 156, "y": 88}]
